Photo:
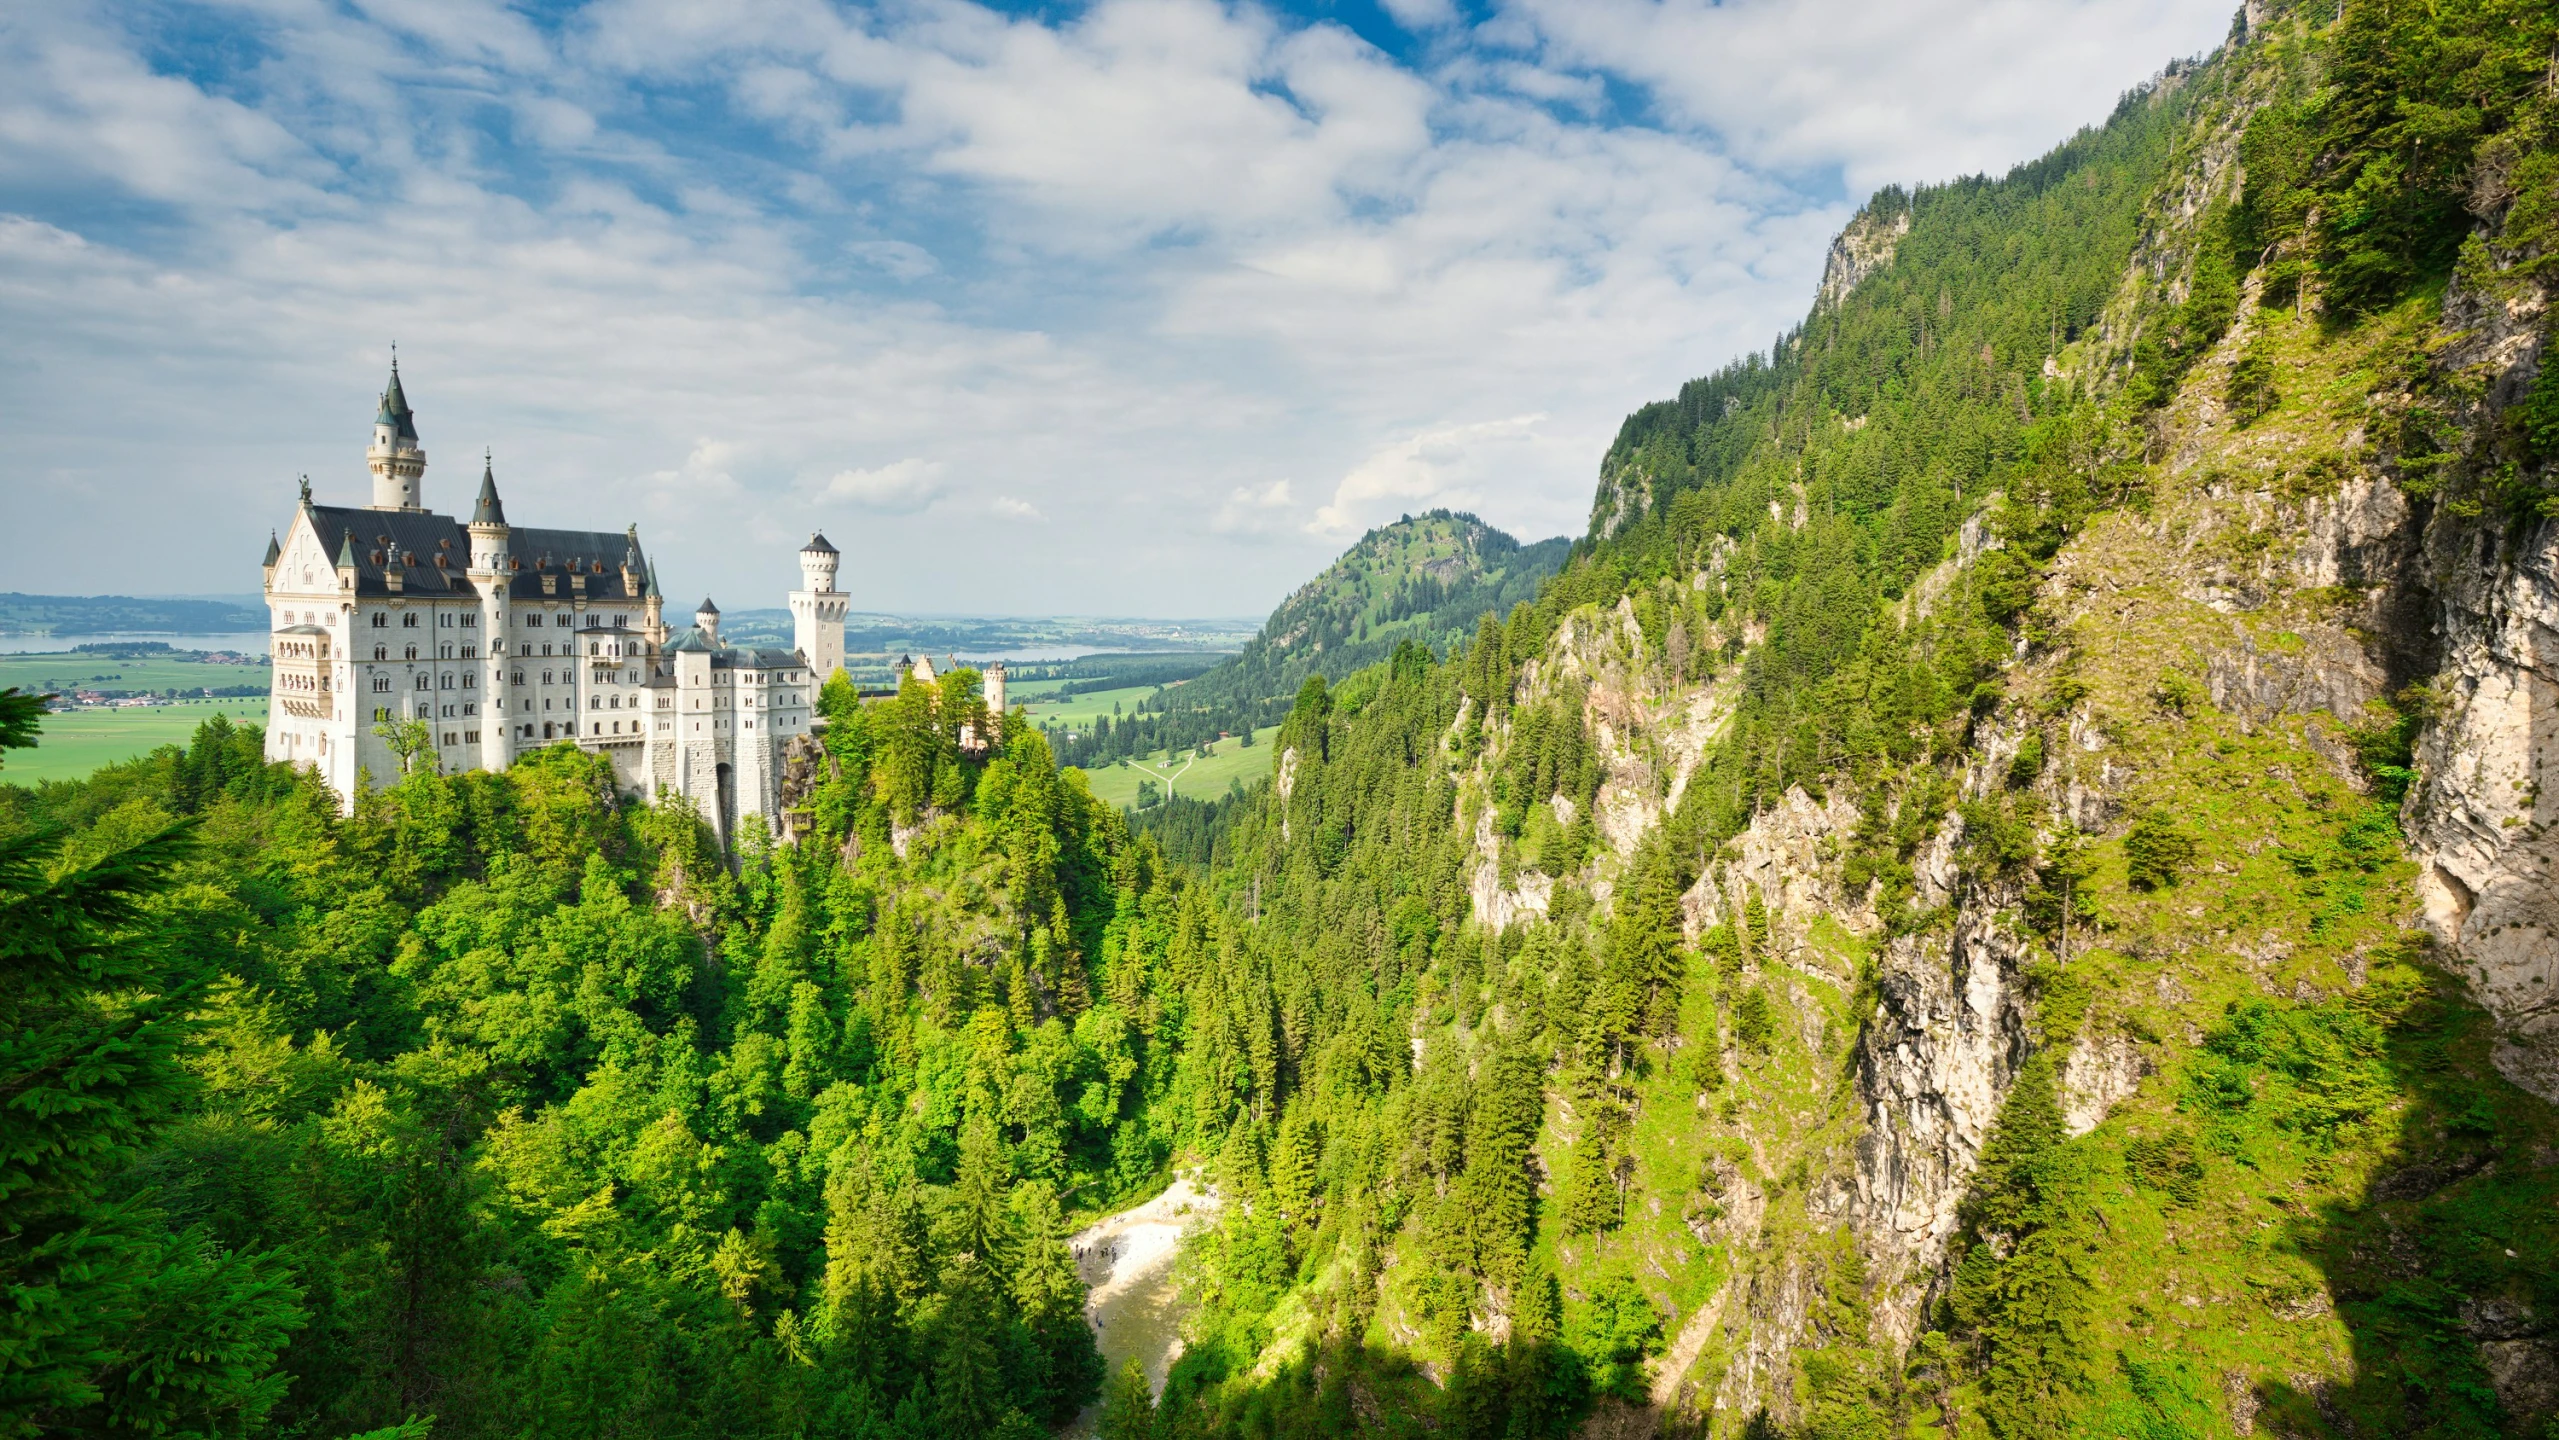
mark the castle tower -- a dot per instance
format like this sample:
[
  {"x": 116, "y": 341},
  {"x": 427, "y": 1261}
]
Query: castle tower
[
  {"x": 992, "y": 682},
  {"x": 706, "y": 618},
  {"x": 817, "y": 610},
  {"x": 398, "y": 465},
  {"x": 491, "y": 572}
]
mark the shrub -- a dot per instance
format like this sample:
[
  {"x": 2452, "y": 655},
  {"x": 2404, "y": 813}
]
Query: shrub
[{"x": 2156, "y": 851}]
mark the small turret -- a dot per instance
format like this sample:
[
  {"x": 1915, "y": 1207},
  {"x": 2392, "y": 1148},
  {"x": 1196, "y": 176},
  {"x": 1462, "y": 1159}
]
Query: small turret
[
  {"x": 706, "y": 617},
  {"x": 398, "y": 465},
  {"x": 275, "y": 552},
  {"x": 346, "y": 561},
  {"x": 817, "y": 610}
]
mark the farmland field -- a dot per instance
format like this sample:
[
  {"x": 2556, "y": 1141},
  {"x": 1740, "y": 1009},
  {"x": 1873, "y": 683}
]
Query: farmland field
[
  {"x": 1229, "y": 761},
  {"x": 78, "y": 741},
  {"x": 59, "y": 671}
]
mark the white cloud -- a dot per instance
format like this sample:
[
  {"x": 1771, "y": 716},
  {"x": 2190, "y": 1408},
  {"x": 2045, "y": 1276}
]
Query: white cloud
[
  {"x": 1136, "y": 263},
  {"x": 1254, "y": 509},
  {"x": 901, "y": 487},
  {"x": 1446, "y": 466},
  {"x": 1922, "y": 90}
]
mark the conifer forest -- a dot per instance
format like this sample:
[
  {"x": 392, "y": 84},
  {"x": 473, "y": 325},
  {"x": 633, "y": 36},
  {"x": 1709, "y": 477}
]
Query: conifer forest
[{"x": 1977, "y": 899}]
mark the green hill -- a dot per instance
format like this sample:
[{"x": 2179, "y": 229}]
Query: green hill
[{"x": 1425, "y": 579}]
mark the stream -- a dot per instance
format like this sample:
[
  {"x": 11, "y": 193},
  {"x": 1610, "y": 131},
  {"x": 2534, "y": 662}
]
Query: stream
[{"x": 1132, "y": 1302}]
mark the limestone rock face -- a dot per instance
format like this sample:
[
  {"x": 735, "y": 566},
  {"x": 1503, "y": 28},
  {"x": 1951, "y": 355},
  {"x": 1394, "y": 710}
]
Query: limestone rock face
[
  {"x": 1937, "y": 1057},
  {"x": 1860, "y": 250},
  {"x": 2483, "y": 817}
]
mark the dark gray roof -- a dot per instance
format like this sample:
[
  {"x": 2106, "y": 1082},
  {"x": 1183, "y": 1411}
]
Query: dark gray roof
[
  {"x": 817, "y": 545},
  {"x": 706, "y": 607},
  {"x": 395, "y": 408},
  {"x": 726, "y": 657},
  {"x": 370, "y": 539},
  {"x": 488, "y": 511},
  {"x": 275, "y": 552}
]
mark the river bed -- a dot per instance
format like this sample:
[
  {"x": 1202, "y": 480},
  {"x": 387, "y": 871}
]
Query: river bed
[{"x": 1133, "y": 1303}]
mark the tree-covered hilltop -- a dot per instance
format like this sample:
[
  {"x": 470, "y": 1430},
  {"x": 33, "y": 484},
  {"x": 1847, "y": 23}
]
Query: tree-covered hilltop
[
  {"x": 507, "y": 1103},
  {"x": 1426, "y": 578}
]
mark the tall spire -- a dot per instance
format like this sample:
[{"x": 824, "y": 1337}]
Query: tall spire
[
  {"x": 488, "y": 511},
  {"x": 395, "y": 404}
]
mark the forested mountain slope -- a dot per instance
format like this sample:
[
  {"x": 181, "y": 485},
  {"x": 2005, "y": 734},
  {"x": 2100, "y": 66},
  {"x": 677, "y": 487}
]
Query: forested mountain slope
[
  {"x": 1426, "y": 578},
  {"x": 2004, "y": 887},
  {"x": 2002, "y": 890}
]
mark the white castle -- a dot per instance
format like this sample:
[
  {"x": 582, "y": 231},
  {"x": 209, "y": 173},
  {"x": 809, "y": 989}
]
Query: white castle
[{"x": 500, "y": 639}]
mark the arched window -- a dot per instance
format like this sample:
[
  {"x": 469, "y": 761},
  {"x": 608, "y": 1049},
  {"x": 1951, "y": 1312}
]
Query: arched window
[{"x": 423, "y": 681}]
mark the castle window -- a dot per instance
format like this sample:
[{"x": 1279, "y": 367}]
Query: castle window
[
  {"x": 470, "y": 652},
  {"x": 409, "y": 621},
  {"x": 546, "y": 677},
  {"x": 468, "y": 708},
  {"x": 445, "y": 620},
  {"x": 470, "y": 621},
  {"x": 519, "y": 677},
  {"x": 470, "y": 737},
  {"x": 381, "y": 714},
  {"x": 412, "y": 652},
  {"x": 546, "y": 649},
  {"x": 595, "y": 702},
  {"x": 380, "y": 620},
  {"x": 470, "y": 681},
  {"x": 445, "y": 653},
  {"x": 621, "y": 621},
  {"x": 533, "y": 618},
  {"x": 527, "y": 649},
  {"x": 380, "y": 683},
  {"x": 381, "y": 652},
  {"x": 448, "y": 682},
  {"x": 423, "y": 681}
]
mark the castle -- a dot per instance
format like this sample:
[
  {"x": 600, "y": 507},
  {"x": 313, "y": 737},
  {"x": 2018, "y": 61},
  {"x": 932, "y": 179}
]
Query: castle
[{"x": 405, "y": 636}]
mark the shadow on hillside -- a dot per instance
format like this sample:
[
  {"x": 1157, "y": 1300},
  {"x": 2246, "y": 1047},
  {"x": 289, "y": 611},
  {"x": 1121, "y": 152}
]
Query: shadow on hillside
[{"x": 2446, "y": 1270}]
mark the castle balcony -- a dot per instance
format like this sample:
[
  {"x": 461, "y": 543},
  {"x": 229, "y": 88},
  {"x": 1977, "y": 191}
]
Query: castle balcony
[{"x": 302, "y": 667}]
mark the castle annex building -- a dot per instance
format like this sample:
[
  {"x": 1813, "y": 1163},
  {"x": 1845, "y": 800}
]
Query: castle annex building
[{"x": 468, "y": 643}]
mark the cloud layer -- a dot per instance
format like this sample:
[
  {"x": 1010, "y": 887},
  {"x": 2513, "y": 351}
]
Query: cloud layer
[{"x": 1144, "y": 309}]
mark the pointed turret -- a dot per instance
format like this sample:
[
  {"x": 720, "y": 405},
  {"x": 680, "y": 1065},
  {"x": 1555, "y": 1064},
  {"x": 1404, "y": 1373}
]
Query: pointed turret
[
  {"x": 488, "y": 511},
  {"x": 275, "y": 551},
  {"x": 395, "y": 406},
  {"x": 397, "y": 463},
  {"x": 706, "y": 617}
]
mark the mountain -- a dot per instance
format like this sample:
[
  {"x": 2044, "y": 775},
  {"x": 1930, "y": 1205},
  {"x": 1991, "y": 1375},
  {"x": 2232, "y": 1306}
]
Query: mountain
[
  {"x": 1425, "y": 579},
  {"x": 2005, "y": 887},
  {"x": 2002, "y": 889},
  {"x": 126, "y": 614}
]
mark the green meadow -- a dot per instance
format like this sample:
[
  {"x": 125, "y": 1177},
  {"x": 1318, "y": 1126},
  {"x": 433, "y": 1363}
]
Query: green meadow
[{"x": 1228, "y": 761}]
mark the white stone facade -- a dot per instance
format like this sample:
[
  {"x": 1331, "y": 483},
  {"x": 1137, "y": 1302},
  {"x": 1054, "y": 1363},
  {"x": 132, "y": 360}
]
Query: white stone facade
[{"x": 501, "y": 639}]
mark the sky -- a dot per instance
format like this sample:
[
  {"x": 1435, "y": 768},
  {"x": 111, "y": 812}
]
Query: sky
[{"x": 1139, "y": 307}]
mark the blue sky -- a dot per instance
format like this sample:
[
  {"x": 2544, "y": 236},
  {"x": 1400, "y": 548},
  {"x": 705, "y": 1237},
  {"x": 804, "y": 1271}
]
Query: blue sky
[{"x": 1134, "y": 307}]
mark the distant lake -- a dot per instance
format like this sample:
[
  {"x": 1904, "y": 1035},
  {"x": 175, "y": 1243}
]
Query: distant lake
[{"x": 252, "y": 642}]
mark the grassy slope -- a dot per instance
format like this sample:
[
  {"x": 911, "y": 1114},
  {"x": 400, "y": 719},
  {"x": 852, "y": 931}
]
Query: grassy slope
[
  {"x": 78, "y": 742},
  {"x": 1228, "y": 762}
]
